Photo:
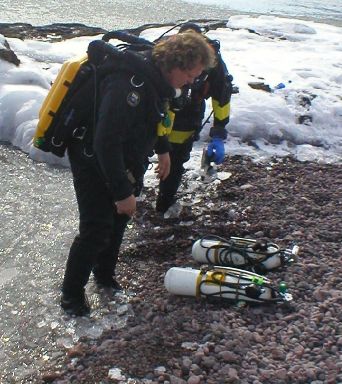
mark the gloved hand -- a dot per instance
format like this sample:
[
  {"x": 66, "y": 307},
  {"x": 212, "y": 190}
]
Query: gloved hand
[{"x": 215, "y": 150}]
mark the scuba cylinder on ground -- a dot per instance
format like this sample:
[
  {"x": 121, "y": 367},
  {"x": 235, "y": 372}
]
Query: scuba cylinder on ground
[
  {"x": 226, "y": 283},
  {"x": 259, "y": 256}
]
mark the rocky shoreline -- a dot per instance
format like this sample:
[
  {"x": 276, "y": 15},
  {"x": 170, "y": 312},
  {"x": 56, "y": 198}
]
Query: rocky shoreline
[
  {"x": 63, "y": 31},
  {"x": 181, "y": 340}
]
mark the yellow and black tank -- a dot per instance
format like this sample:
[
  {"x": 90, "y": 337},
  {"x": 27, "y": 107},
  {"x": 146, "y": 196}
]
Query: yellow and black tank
[{"x": 55, "y": 97}]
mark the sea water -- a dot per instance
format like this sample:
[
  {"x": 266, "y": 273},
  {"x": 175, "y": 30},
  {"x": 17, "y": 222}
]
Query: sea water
[
  {"x": 317, "y": 10},
  {"x": 111, "y": 14}
]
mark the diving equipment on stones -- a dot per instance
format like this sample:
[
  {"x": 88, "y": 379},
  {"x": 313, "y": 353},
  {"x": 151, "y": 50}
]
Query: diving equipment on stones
[
  {"x": 226, "y": 283},
  {"x": 258, "y": 256}
]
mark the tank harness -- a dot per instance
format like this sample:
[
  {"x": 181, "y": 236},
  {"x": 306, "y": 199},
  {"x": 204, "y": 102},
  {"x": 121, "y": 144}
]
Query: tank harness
[{"x": 67, "y": 112}]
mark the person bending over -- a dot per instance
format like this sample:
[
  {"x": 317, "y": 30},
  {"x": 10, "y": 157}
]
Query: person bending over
[{"x": 107, "y": 172}]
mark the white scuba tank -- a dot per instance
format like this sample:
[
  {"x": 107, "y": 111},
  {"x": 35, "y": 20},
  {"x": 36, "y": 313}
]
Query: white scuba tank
[
  {"x": 240, "y": 252},
  {"x": 228, "y": 283}
]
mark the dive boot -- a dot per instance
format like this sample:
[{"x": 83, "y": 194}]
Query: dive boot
[
  {"x": 75, "y": 305},
  {"x": 163, "y": 203},
  {"x": 107, "y": 282}
]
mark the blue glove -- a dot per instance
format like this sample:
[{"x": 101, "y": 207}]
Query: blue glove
[{"x": 215, "y": 150}]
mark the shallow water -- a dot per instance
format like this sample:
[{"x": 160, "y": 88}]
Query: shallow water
[
  {"x": 108, "y": 14},
  {"x": 329, "y": 10},
  {"x": 111, "y": 14},
  {"x": 38, "y": 216}
]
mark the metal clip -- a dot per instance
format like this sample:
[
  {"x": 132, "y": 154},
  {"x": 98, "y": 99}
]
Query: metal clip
[
  {"x": 136, "y": 84},
  {"x": 79, "y": 133}
]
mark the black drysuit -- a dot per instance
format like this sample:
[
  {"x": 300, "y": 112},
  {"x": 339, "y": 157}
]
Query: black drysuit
[
  {"x": 130, "y": 107},
  {"x": 217, "y": 84}
]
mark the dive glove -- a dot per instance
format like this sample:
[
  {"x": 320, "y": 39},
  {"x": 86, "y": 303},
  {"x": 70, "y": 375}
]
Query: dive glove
[{"x": 215, "y": 150}]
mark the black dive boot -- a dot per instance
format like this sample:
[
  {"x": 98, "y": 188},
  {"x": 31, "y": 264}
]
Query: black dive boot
[
  {"x": 75, "y": 305},
  {"x": 163, "y": 203},
  {"x": 107, "y": 282}
]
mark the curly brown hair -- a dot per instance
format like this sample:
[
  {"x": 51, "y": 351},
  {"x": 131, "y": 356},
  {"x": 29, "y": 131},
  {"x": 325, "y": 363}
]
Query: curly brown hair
[{"x": 184, "y": 51}]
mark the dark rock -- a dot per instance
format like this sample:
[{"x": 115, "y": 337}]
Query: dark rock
[
  {"x": 260, "y": 85},
  {"x": 52, "y": 32},
  {"x": 8, "y": 55},
  {"x": 304, "y": 119},
  {"x": 63, "y": 31},
  {"x": 49, "y": 377}
]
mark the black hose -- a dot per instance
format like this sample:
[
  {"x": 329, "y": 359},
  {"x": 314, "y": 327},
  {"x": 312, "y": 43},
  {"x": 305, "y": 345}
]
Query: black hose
[
  {"x": 127, "y": 38},
  {"x": 226, "y": 250}
]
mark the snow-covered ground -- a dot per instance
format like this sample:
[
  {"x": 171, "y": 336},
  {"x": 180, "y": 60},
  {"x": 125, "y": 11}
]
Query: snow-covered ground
[{"x": 305, "y": 56}]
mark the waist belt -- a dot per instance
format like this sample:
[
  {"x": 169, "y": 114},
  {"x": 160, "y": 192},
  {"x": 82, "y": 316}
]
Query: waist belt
[{"x": 180, "y": 137}]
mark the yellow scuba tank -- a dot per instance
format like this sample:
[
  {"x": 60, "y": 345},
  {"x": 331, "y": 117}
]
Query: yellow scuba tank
[
  {"x": 70, "y": 108},
  {"x": 55, "y": 97}
]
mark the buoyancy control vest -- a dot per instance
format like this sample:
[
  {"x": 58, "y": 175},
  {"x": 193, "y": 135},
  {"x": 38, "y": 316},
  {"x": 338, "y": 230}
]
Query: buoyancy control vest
[{"x": 70, "y": 107}]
